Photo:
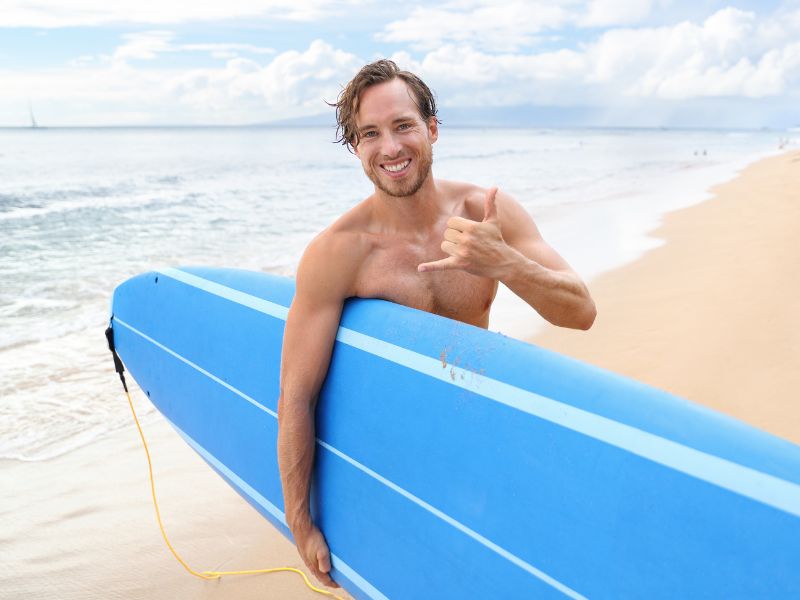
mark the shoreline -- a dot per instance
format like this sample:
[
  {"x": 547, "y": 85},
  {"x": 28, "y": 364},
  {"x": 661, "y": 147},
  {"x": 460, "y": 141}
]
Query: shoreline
[{"x": 707, "y": 315}]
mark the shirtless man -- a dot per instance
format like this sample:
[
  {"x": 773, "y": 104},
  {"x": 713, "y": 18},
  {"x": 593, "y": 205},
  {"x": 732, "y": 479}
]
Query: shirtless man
[{"x": 439, "y": 246}]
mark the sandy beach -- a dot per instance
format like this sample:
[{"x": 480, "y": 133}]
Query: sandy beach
[
  {"x": 709, "y": 316},
  {"x": 83, "y": 526}
]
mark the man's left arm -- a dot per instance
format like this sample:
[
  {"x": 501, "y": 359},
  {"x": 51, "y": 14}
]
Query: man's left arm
[{"x": 508, "y": 247}]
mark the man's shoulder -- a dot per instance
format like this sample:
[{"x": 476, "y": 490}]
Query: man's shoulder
[
  {"x": 353, "y": 221},
  {"x": 459, "y": 188},
  {"x": 335, "y": 255},
  {"x": 345, "y": 235},
  {"x": 470, "y": 200},
  {"x": 337, "y": 242},
  {"x": 468, "y": 196}
]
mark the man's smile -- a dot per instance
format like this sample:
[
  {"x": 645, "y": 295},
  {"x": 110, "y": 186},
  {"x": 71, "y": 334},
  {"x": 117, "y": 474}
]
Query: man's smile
[{"x": 396, "y": 168}]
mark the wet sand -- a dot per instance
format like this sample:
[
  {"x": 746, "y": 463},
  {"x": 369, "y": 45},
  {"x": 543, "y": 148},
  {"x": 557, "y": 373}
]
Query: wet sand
[{"x": 83, "y": 526}]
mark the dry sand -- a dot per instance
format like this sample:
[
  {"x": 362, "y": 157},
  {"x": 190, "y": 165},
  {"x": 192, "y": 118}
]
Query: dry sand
[{"x": 712, "y": 315}]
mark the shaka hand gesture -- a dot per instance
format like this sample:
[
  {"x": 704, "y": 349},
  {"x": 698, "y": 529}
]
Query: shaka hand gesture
[{"x": 476, "y": 247}]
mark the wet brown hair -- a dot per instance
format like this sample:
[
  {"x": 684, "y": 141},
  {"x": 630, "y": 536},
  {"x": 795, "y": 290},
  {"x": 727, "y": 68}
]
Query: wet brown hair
[{"x": 374, "y": 73}]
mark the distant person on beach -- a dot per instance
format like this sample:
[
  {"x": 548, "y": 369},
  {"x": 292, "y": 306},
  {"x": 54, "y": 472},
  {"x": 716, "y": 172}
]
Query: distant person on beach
[{"x": 435, "y": 245}]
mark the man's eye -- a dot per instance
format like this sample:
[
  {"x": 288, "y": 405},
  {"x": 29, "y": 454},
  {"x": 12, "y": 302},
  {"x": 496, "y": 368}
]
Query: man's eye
[
  {"x": 404, "y": 126},
  {"x": 369, "y": 134}
]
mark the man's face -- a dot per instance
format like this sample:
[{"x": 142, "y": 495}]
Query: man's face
[{"x": 395, "y": 143}]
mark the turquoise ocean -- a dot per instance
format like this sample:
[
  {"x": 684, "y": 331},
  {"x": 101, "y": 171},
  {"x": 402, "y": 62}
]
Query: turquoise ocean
[{"x": 81, "y": 210}]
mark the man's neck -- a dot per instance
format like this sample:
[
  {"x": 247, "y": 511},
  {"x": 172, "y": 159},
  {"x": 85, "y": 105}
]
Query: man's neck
[{"x": 416, "y": 213}]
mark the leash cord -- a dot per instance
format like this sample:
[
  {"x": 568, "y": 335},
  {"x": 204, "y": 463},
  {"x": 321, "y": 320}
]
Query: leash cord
[{"x": 204, "y": 574}]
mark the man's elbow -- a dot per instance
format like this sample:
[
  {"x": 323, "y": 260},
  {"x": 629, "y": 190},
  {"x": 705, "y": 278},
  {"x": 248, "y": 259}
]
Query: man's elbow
[
  {"x": 286, "y": 407},
  {"x": 292, "y": 405},
  {"x": 580, "y": 318},
  {"x": 587, "y": 316}
]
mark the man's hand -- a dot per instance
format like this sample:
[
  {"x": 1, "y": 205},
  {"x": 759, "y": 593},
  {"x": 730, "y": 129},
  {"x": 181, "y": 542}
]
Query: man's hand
[
  {"x": 476, "y": 247},
  {"x": 315, "y": 553}
]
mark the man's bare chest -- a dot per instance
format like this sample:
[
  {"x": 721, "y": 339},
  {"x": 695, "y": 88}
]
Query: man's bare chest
[{"x": 391, "y": 274}]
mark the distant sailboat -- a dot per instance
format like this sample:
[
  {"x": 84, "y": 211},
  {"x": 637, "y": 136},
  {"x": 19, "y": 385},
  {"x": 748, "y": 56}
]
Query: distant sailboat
[{"x": 34, "y": 124}]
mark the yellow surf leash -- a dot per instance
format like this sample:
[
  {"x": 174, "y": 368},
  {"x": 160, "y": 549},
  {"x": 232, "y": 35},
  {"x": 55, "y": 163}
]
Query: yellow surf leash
[{"x": 203, "y": 574}]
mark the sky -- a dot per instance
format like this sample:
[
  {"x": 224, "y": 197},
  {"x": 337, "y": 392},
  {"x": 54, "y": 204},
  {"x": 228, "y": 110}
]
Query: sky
[{"x": 657, "y": 63}]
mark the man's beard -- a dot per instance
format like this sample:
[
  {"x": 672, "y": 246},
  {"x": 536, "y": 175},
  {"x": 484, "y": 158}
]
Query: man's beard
[{"x": 404, "y": 187}]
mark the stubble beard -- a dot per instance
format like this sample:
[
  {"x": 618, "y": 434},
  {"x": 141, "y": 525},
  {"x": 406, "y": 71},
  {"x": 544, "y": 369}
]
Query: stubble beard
[{"x": 404, "y": 188}]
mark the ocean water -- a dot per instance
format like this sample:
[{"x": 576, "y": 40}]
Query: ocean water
[{"x": 81, "y": 210}]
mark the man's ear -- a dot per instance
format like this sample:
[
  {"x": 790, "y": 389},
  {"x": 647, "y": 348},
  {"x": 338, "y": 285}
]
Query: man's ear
[{"x": 433, "y": 129}]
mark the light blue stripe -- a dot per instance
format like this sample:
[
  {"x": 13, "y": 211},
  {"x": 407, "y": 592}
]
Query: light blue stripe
[
  {"x": 263, "y": 306},
  {"x": 345, "y": 569},
  {"x": 457, "y": 524},
  {"x": 745, "y": 481},
  {"x": 238, "y": 481},
  {"x": 435, "y": 511},
  {"x": 337, "y": 562},
  {"x": 224, "y": 384}
]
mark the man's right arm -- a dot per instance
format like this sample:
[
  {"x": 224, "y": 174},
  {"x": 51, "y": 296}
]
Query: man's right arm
[{"x": 323, "y": 283}]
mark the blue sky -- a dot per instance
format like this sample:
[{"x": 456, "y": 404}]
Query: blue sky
[{"x": 597, "y": 62}]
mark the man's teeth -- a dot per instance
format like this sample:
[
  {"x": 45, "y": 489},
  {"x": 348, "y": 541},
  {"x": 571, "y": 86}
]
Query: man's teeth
[{"x": 396, "y": 168}]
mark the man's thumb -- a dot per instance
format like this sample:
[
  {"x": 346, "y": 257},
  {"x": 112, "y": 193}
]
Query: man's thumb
[{"x": 324, "y": 561}]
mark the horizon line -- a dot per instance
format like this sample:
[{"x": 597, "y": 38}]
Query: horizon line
[{"x": 457, "y": 125}]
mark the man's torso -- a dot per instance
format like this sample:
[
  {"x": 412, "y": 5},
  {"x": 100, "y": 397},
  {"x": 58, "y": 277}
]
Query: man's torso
[{"x": 387, "y": 261}]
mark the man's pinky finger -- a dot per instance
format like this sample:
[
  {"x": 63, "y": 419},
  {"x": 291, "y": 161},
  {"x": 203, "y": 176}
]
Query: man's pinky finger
[
  {"x": 325, "y": 578},
  {"x": 439, "y": 265},
  {"x": 324, "y": 568}
]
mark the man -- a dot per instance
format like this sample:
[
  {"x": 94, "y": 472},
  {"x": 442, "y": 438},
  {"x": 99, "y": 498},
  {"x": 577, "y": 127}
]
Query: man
[{"x": 439, "y": 246}]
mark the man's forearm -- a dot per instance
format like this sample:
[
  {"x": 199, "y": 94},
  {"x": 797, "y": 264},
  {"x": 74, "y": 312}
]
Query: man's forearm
[
  {"x": 559, "y": 296},
  {"x": 296, "y": 459}
]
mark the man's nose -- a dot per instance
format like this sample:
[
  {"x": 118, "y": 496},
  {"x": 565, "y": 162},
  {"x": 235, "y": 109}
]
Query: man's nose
[{"x": 391, "y": 146}]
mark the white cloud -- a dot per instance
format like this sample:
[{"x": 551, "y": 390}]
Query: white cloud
[
  {"x": 502, "y": 25},
  {"x": 463, "y": 76},
  {"x": 147, "y": 45},
  {"x": 508, "y": 25},
  {"x": 72, "y": 13},
  {"x": 144, "y": 46},
  {"x": 729, "y": 54},
  {"x": 227, "y": 50},
  {"x": 603, "y": 13},
  {"x": 293, "y": 81}
]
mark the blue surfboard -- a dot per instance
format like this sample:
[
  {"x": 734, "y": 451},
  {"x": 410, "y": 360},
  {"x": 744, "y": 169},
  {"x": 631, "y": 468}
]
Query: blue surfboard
[{"x": 453, "y": 462}]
